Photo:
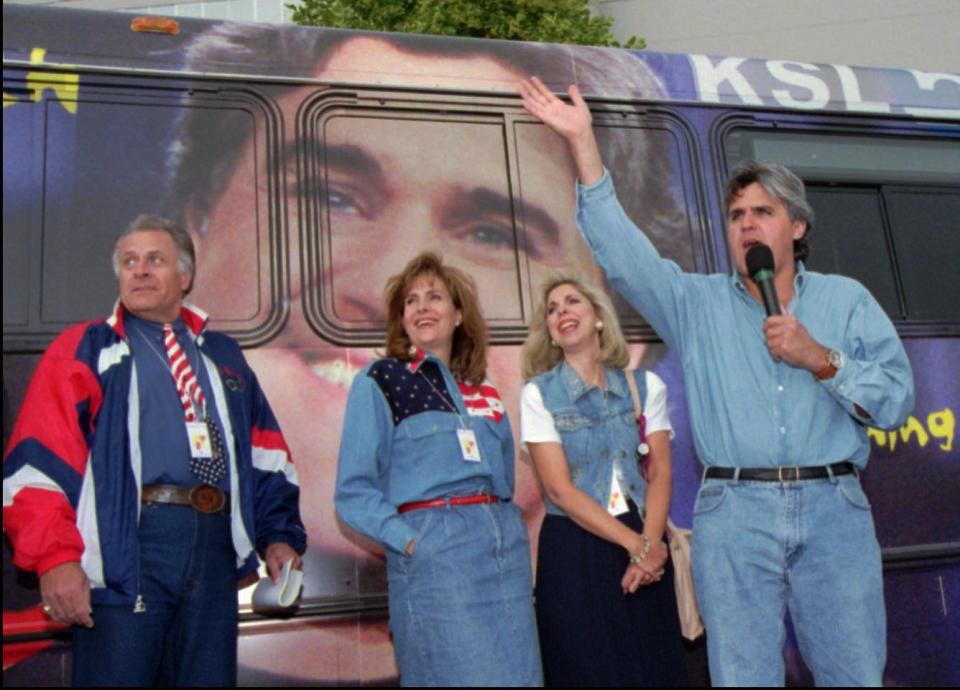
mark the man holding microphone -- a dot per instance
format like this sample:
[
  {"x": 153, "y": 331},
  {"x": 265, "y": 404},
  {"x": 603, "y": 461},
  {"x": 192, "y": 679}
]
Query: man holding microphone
[{"x": 779, "y": 406}]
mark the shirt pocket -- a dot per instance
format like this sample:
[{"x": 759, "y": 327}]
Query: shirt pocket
[
  {"x": 570, "y": 421},
  {"x": 422, "y": 426}
]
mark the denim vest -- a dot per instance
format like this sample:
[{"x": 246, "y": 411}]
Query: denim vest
[{"x": 598, "y": 430}]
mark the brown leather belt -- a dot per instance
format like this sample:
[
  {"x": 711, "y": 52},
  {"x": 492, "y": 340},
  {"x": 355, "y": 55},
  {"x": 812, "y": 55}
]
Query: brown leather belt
[
  {"x": 203, "y": 498},
  {"x": 450, "y": 501}
]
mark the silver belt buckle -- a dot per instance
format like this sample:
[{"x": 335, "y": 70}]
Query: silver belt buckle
[{"x": 784, "y": 479}]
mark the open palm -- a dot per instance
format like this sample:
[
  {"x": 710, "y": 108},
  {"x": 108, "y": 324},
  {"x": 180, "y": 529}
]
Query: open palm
[{"x": 569, "y": 121}]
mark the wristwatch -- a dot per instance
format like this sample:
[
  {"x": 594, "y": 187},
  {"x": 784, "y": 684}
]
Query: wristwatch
[{"x": 835, "y": 362}]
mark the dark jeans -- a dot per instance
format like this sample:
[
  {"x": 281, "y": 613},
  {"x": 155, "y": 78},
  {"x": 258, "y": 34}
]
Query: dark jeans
[{"x": 188, "y": 633}]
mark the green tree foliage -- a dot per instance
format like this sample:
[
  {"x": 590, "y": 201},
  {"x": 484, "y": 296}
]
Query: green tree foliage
[{"x": 551, "y": 21}]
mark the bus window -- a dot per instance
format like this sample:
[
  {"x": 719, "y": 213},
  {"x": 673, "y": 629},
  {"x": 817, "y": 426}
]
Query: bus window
[
  {"x": 848, "y": 238},
  {"x": 22, "y": 174},
  {"x": 395, "y": 185},
  {"x": 648, "y": 158},
  {"x": 388, "y": 183},
  {"x": 89, "y": 166},
  {"x": 850, "y": 158},
  {"x": 925, "y": 224},
  {"x": 886, "y": 211}
]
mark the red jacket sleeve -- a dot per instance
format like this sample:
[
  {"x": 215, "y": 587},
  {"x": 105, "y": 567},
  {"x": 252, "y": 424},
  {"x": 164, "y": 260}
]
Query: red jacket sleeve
[{"x": 45, "y": 461}]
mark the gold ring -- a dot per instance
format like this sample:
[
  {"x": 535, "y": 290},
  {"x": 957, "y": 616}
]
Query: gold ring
[{"x": 47, "y": 610}]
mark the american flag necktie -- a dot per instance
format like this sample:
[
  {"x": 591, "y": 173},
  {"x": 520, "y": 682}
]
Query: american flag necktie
[{"x": 208, "y": 470}]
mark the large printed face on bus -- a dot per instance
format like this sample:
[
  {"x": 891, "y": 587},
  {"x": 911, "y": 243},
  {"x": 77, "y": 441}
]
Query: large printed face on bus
[
  {"x": 392, "y": 188},
  {"x": 394, "y": 185}
]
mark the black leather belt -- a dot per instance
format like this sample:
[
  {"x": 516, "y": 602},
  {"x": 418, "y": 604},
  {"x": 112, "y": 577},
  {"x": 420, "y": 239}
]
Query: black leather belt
[
  {"x": 203, "y": 498},
  {"x": 782, "y": 474}
]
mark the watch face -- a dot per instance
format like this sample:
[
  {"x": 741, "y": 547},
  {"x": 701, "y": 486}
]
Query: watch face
[{"x": 835, "y": 358}]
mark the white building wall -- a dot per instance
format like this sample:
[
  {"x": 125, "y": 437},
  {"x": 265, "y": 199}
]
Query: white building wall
[
  {"x": 237, "y": 10},
  {"x": 919, "y": 34}
]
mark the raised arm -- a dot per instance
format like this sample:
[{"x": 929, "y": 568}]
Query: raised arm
[
  {"x": 573, "y": 122},
  {"x": 630, "y": 261}
]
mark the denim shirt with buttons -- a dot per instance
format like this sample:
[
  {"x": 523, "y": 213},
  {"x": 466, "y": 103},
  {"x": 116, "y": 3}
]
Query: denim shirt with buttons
[
  {"x": 598, "y": 430},
  {"x": 400, "y": 444}
]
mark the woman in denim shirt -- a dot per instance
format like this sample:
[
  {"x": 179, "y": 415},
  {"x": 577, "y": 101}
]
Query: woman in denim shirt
[
  {"x": 606, "y": 608},
  {"x": 426, "y": 469}
]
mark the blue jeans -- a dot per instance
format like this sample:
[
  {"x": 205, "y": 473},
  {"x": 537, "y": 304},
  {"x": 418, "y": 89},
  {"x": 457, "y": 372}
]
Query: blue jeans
[
  {"x": 188, "y": 633},
  {"x": 810, "y": 546},
  {"x": 461, "y": 608}
]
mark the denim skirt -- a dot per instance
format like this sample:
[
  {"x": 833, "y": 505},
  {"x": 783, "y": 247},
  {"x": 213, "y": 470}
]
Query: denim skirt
[{"x": 461, "y": 607}]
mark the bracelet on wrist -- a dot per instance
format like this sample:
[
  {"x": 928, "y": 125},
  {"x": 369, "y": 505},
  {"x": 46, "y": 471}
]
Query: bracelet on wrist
[{"x": 637, "y": 558}]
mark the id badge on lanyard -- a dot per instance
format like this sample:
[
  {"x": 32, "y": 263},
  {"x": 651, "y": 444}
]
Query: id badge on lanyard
[
  {"x": 199, "y": 440},
  {"x": 468, "y": 445},
  {"x": 617, "y": 501}
]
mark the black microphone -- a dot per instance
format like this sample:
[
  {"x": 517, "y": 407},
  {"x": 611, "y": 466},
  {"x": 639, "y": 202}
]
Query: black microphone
[{"x": 760, "y": 268}]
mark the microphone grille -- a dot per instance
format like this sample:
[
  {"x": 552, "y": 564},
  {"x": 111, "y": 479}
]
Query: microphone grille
[{"x": 759, "y": 258}]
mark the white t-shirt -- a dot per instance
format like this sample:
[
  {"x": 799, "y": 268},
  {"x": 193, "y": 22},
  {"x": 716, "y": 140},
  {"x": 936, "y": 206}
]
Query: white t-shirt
[{"x": 536, "y": 423}]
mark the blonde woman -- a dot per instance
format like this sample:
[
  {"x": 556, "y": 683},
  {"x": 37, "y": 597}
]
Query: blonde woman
[{"x": 606, "y": 609}]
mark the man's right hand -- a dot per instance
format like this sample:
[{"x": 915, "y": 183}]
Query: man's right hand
[
  {"x": 573, "y": 122},
  {"x": 66, "y": 591}
]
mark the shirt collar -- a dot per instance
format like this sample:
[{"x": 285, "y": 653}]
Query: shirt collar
[
  {"x": 577, "y": 388},
  {"x": 135, "y": 323},
  {"x": 799, "y": 280},
  {"x": 194, "y": 318}
]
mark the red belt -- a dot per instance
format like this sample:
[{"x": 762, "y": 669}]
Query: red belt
[{"x": 451, "y": 501}]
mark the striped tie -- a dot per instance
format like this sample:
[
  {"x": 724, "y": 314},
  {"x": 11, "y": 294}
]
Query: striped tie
[
  {"x": 191, "y": 395},
  {"x": 208, "y": 470}
]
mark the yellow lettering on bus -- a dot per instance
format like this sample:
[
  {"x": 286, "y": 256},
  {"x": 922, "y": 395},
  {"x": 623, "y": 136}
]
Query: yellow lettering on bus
[{"x": 65, "y": 86}]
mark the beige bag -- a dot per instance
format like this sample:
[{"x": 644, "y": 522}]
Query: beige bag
[{"x": 691, "y": 625}]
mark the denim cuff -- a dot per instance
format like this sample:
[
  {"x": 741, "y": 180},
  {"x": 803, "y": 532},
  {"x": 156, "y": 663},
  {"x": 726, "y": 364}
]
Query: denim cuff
[
  {"x": 599, "y": 189},
  {"x": 396, "y": 534}
]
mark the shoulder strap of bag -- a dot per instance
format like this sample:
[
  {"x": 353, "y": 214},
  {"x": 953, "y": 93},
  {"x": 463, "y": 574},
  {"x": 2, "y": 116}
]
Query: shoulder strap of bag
[{"x": 632, "y": 382}]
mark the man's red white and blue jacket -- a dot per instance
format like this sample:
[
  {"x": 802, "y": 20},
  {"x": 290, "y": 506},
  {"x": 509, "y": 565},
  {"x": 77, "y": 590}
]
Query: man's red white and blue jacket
[{"x": 72, "y": 472}]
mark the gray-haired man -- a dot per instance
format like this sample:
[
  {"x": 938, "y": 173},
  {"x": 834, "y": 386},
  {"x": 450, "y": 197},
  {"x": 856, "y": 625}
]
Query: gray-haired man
[{"x": 778, "y": 407}]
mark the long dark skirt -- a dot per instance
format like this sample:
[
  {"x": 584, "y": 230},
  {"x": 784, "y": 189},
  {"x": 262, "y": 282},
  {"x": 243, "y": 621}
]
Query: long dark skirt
[{"x": 591, "y": 633}]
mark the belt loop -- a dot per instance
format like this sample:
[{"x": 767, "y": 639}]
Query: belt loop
[
  {"x": 736, "y": 476},
  {"x": 830, "y": 475}
]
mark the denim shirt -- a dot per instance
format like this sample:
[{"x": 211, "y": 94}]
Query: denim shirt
[
  {"x": 746, "y": 409},
  {"x": 400, "y": 445},
  {"x": 598, "y": 430}
]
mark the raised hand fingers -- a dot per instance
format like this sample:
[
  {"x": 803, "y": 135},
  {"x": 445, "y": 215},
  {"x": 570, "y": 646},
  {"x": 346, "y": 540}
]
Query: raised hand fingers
[
  {"x": 537, "y": 98},
  {"x": 574, "y": 92}
]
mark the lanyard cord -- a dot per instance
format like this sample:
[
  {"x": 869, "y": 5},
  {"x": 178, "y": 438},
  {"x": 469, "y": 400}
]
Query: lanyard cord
[
  {"x": 198, "y": 409},
  {"x": 463, "y": 425}
]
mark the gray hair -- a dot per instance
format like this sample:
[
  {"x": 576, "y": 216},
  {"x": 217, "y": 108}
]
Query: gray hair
[
  {"x": 187, "y": 258},
  {"x": 780, "y": 183},
  {"x": 539, "y": 354}
]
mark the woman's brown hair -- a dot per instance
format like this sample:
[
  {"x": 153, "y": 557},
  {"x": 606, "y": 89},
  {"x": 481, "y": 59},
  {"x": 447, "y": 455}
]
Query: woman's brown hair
[{"x": 468, "y": 356}]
